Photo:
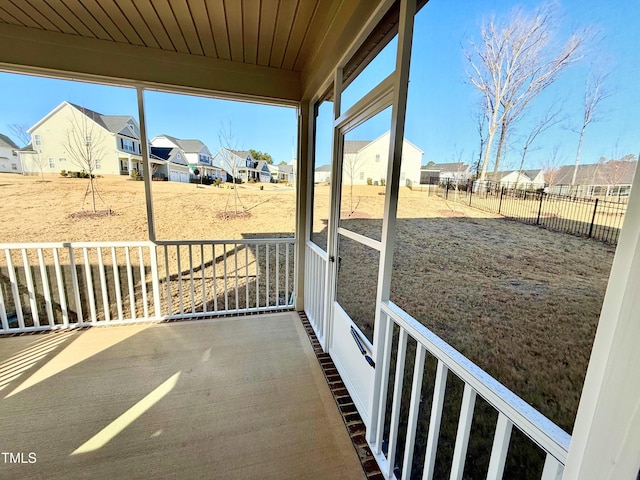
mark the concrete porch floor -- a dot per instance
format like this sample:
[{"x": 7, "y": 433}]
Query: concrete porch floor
[{"x": 236, "y": 398}]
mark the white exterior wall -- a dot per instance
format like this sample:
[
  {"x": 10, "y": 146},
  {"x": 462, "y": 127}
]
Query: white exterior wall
[
  {"x": 8, "y": 161},
  {"x": 52, "y": 145},
  {"x": 368, "y": 167}
]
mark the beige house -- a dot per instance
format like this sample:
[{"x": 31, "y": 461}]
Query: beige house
[
  {"x": 367, "y": 159},
  {"x": 61, "y": 140}
]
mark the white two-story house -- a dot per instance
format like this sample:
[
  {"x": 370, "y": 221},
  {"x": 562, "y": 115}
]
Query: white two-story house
[
  {"x": 74, "y": 138},
  {"x": 9, "y": 159},
  {"x": 241, "y": 165}
]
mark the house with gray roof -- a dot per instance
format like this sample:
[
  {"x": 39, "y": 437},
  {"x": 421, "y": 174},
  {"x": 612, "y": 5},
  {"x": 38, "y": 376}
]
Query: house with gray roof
[
  {"x": 322, "y": 174},
  {"x": 520, "y": 179},
  {"x": 241, "y": 165},
  {"x": 195, "y": 152},
  {"x": 57, "y": 139},
  {"x": 169, "y": 163},
  {"x": 603, "y": 179},
  {"x": 450, "y": 172},
  {"x": 9, "y": 157}
]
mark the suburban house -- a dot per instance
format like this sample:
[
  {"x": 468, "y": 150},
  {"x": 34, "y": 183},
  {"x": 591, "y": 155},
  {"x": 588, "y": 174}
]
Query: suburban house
[
  {"x": 195, "y": 152},
  {"x": 241, "y": 165},
  {"x": 169, "y": 163},
  {"x": 523, "y": 179},
  {"x": 455, "y": 172},
  {"x": 322, "y": 174},
  {"x": 252, "y": 395},
  {"x": 9, "y": 157},
  {"x": 287, "y": 173},
  {"x": 74, "y": 138},
  {"x": 604, "y": 179},
  {"x": 367, "y": 159}
]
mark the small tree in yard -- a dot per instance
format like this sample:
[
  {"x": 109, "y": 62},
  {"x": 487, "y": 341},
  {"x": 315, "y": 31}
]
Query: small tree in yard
[
  {"x": 39, "y": 162},
  {"x": 228, "y": 142},
  {"x": 351, "y": 166},
  {"x": 83, "y": 144}
]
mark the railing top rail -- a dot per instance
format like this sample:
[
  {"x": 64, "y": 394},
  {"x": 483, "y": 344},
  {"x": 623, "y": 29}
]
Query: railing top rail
[
  {"x": 317, "y": 250},
  {"x": 249, "y": 241},
  {"x": 532, "y": 423},
  {"x": 142, "y": 243},
  {"x": 31, "y": 245}
]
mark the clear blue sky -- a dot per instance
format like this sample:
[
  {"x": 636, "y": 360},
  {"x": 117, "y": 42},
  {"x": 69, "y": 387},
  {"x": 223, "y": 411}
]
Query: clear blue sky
[{"x": 440, "y": 104}]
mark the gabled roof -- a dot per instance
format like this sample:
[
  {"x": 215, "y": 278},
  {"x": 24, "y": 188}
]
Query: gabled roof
[
  {"x": 613, "y": 172},
  {"x": 447, "y": 167},
  {"x": 354, "y": 146},
  {"x": 287, "y": 169},
  {"x": 242, "y": 153},
  {"x": 7, "y": 142},
  {"x": 111, "y": 123},
  {"x": 168, "y": 153},
  {"x": 189, "y": 146},
  {"x": 530, "y": 174},
  {"x": 261, "y": 165},
  {"x": 323, "y": 168},
  {"x": 27, "y": 148}
]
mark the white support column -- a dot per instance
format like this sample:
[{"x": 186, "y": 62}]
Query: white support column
[
  {"x": 145, "y": 166},
  {"x": 606, "y": 437},
  {"x": 401, "y": 85},
  {"x": 304, "y": 157}
]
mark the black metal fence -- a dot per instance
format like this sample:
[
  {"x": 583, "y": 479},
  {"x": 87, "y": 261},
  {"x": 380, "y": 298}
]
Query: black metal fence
[{"x": 588, "y": 217}]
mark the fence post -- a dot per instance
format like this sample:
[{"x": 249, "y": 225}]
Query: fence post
[
  {"x": 500, "y": 204},
  {"x": 540, "y": 208},
  {"x": 447, "y": 194},
  {"x": 471, "y": 194},
  {"x": 593, "y": 218}
]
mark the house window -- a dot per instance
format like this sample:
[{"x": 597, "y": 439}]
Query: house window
[
  {"x": 178, "y": 156},
  {"x": 14, "y": 166},
  {"x": 377, "y": 157},
  {"x": 98, "y": 164},
  {"x": 62, "y": 160},
  {"x": 127, "y": 145},
  {"x": 52, "y": 164},
  {"x": 402, "y": 176},
  {"x": 361, "y": 175},
  {"x": 36, "y": 140},
  {"x": 87, "y": 139},
  {"x": 14, "y": 153}
]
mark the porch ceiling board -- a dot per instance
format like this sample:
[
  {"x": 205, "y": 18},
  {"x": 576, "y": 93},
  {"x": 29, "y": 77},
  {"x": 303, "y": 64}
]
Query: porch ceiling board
[{"x": 140, "y": 41}]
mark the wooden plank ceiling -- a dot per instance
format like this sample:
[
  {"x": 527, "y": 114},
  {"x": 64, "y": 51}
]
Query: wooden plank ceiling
[{"x": 272, "y": 33}]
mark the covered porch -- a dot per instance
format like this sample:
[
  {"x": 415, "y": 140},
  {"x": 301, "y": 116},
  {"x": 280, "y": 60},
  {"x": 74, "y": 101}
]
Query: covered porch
[
  {"x": 138, "y": 282},
  {"x": 228, "y": 398}
]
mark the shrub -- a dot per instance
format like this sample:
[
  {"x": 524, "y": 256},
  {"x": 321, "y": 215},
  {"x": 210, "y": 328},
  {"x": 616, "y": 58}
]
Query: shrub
[
  {"x": 63, "y": 173},
  {"x": 369, "y": 181},
  {"x": 382, "y": 181},
  {"x": 135, "y": 175}
]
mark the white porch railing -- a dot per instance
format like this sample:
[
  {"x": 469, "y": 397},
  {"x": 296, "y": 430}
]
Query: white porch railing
[
  {"x": 512, "y": 410},
  {"x": 46, "y": 286},
  {"x": 314, "y": 288}
]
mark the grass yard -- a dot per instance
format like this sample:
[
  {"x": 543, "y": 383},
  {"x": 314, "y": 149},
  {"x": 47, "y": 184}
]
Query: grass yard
[{"x": 520, "y": 301}]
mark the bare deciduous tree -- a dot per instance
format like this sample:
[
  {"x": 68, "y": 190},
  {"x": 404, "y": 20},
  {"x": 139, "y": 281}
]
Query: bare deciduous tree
[
  {"x": 229, "y": 143},
  {"x": 594, "y": 93},
  {"x": 351, "y": 166},
  {"x": 513, "y": 63},
  {"x": 21, "y": 132},
  {"x": 39, "y": 162},
  {"x": 550, "y": 119},
  {"x": 84, "y": 146},
  {"x": 551, "y": 166}
]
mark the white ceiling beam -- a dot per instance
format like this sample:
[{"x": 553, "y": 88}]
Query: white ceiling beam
[{"x": 35, "y": 51}]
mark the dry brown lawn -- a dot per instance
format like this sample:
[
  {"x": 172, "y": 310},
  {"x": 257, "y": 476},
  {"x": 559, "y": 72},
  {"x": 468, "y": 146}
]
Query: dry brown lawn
[{"x": 520, "y": 301}]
